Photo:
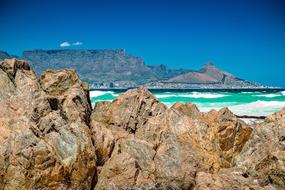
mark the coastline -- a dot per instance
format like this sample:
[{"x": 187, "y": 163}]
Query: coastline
[{"x": 194, "y": 89}]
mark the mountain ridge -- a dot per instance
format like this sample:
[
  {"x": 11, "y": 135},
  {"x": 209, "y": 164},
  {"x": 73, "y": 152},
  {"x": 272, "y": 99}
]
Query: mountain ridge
[{"x": 115, "y": 68}]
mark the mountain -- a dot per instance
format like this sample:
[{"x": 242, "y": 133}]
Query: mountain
[
  {"x": 114, "y": 68},
  {"x": 4, "y": 55},
  {"x": 208, "y": 74},
  {"x": 163, "y": 72},
  {"x": 95, "y": 66},
  {"x": 207, "y": 77}
]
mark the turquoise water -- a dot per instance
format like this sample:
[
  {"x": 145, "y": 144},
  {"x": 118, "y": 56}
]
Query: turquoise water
[{"x": 254, "y": 103}]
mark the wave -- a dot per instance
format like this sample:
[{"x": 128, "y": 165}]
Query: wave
[
  {"x": 268, "y": 95},
  {"x": 258, "y": 108},
  {"x": 283, "y": 93},
  {"x": 206, "y": 95},
  {"x": 192, "y": 95},
  {"x": 96, "y": 93},
  {"x": 165, "y": 95},
  {"x": 253, "y": 92}
]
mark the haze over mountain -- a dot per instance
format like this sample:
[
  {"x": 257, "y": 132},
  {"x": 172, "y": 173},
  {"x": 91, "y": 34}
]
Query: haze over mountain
[
  {"x": 114, "y": 68},
  {"x": 4, "y": 55}
]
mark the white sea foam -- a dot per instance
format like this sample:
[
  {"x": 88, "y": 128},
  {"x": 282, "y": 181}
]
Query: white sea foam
[
  {"x": 206, "y": 95},
  {"x": 192, "y": 95},
  {"x": 248, "y": 92},
  {"x": 283, "y": 93},
  {"x": 96, "y": 93},
  {"x": 165, "y": 95},
  {"x": 257, "y": 108},
  {"x": 268, "y": 95}
]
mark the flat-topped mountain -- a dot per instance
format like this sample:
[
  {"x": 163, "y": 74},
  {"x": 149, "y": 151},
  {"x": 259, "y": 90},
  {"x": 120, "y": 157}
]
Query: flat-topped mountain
[
  {"x": 94, "y": 66},
  {"x": 114, "y": 68}
]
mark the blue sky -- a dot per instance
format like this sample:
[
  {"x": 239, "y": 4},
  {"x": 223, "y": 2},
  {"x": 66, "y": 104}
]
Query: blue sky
[{"x": 244, "y": 37}]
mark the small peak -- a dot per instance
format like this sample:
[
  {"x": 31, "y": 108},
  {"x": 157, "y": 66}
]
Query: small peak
[{"x": 209, "y": 64}]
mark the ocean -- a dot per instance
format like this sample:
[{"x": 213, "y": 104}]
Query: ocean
[{"x": 240, "y": 102}]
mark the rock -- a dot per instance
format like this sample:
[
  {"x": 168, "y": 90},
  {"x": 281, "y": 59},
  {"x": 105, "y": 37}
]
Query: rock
[
  {"x": 122, "y": 117},
  {"x": 227, "y": 131},
  {"x": 141, "y": 142},
  {"x": 188, "y": 109},
  {"x": 51, "y": 139},
  {"x": 263, "y": 156},
  {"x": 45, "y": 137},
  {"x": 226, "y": 180}
]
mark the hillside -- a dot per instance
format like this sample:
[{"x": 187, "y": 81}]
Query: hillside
[
  {"x": 163, "y": 72},
  {"x": 209, "y": 76}
]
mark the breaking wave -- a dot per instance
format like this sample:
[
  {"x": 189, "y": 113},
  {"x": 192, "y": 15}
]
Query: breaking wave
[
  {"x": 268, "y": 95},
  {"x": 96, "y": 93},
  {"x": 192, "y": 95},
  {"x": 257, "y": 108}
]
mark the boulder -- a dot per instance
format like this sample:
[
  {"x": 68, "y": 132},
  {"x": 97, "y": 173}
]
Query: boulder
[
  {"x": 140, "y": 142},
  {"x": 263, "y": 156},
  {"x": 45, "y": 137}
]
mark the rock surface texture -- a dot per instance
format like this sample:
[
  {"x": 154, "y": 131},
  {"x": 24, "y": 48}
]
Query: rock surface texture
[
  {"x": 45, "y": 140},
  {"x": 51, "y": 139}
]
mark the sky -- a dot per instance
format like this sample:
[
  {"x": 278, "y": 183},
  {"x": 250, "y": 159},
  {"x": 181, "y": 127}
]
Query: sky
[{"x": 243, "y": 37}]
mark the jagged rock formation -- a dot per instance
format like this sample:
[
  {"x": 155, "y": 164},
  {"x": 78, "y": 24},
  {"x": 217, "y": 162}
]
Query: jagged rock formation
[
  {"x": 51, "y": 139},
  {"x": 264, "y": 153},
  {"x": 45, "y": 141},
  {"x": 139, "y": 141}
]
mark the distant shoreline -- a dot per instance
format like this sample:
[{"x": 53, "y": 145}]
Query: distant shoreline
[{"x": 193, "y": 89}]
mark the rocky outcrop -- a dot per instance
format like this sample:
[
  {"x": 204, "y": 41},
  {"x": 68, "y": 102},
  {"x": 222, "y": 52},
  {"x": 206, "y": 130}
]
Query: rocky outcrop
[
  {"x": 45, "y": 140},
  {"x": 141, "y": 142},
  {"x": 51, "y": 139},
  {"x": 263, "y": 156}
]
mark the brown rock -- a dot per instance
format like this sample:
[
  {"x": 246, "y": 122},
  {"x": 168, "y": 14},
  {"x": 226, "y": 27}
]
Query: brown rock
[
  {"x": 227, "y": 180},
  {"x": 169, "y": 146},
  {"x": 45, "y": 138},
  {"x": 226, "y": 131},
  {"x": 263, "y": 156},
  {"x": 48, "y": 140},
  {"x": 188, "y": 109}
]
